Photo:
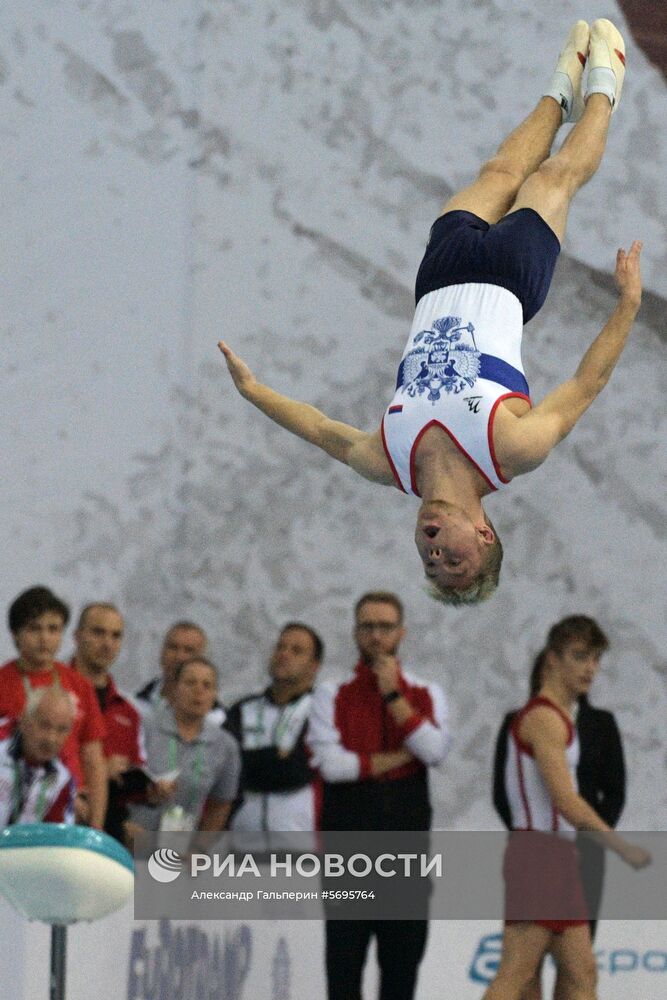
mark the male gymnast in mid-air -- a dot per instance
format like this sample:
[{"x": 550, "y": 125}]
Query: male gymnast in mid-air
[{"x": 460, "y": 424}]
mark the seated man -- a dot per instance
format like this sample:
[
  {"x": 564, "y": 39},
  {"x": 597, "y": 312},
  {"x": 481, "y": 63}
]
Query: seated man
[
  {"x": 460, "y": 424},
  {"x": 36, "y": 787}
]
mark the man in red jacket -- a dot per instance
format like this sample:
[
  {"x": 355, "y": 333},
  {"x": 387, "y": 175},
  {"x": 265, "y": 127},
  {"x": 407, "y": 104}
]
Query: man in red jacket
[
  {"x": 37, "y": 620},
  {"x": 373, "y": 739},
  {"x": 99, "y": 637}
]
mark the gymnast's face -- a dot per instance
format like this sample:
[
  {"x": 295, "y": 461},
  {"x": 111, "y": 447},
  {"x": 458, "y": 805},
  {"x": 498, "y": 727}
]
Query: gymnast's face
[
  {"x": 577, "y": 664},
  {"x": 449, "y": 543}
]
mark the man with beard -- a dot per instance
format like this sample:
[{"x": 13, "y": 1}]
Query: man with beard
[
  {"x": 373, "y": 739},
  {"x": 277, "y": 784}
]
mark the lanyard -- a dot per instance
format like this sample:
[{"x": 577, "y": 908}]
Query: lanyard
[
  {"x": 282, "y": 723},
  {"x": 22, "y": 793},
  {"x": 197, "y": 768}
]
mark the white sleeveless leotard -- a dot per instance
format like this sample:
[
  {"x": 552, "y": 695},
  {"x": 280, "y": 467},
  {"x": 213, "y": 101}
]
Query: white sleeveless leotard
[
  {"x": 530, "y": 802},
  {"x": 462, "y": 359}
]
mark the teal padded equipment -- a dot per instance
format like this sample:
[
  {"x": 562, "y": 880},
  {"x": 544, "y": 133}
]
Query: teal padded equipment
[{"x": 62, "y": 874}]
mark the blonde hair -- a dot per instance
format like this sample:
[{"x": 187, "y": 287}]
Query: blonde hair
[{"x": 484, "y": 584}]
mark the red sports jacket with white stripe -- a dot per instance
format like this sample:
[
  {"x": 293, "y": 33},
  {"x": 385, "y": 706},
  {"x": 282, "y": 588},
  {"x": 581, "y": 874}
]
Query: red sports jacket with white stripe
[{"x": 349, "y": 722}]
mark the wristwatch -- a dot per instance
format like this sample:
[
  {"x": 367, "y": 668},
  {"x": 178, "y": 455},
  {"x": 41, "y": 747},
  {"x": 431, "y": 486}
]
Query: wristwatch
[{"x": 390, "y": 696}]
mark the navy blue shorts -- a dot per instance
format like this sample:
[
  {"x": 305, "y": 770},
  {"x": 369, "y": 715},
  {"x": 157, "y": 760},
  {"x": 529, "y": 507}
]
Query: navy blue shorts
[{"x": 518, "y": 253}]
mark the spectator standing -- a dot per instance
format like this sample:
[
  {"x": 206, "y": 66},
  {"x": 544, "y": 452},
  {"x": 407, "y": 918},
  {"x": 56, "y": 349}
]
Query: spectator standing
[
  {"x": 373, "y": 739},
  {"x": 98, "y": 638},
  {"x": 37, "y": 620},
  {"x": 182, "y": 641},
  {"x": 201, "y": 761},
  {"x": 279, "y": 790}
]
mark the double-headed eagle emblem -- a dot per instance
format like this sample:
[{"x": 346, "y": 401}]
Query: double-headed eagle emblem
[{"x": 441, "y": 361}]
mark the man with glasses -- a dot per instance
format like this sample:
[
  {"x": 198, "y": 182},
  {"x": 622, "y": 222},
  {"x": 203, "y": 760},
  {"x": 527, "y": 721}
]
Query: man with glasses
[{"x": 373, "y": 739}]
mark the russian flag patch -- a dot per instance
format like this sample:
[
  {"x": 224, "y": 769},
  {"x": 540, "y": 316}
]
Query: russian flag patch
[{"x": 395, "y": 409}]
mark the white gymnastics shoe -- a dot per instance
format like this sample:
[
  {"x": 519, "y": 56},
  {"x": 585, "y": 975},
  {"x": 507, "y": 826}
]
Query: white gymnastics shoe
[
  {"x": 565, "y": 86},
  {"x": 606, "y": 62}
]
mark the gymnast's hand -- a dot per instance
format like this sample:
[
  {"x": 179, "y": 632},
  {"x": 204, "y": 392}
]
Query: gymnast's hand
[
  {"x": 628, "y": 276},
  {"x": 635, "y": 856},
  {"x": 243, "y": 378}
]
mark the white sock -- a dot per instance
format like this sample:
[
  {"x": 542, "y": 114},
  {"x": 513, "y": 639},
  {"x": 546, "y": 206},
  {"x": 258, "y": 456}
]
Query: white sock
[
  {"x": 561, "y": 90},
  {"x": 602, "y": 80}
]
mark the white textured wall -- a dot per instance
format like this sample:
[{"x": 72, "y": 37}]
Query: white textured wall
[{"x": 173, "y": 172}]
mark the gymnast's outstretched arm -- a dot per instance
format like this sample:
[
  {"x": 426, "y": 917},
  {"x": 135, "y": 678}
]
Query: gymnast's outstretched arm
[
  {"x": 361, "y": 451},
  {"x": 538, "y": 431}
]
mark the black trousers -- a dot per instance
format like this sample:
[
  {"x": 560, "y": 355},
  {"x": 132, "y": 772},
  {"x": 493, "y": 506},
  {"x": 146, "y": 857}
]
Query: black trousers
[
  {"x": 400, "y": 948},
  {"x": 592, "y": 865}
]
